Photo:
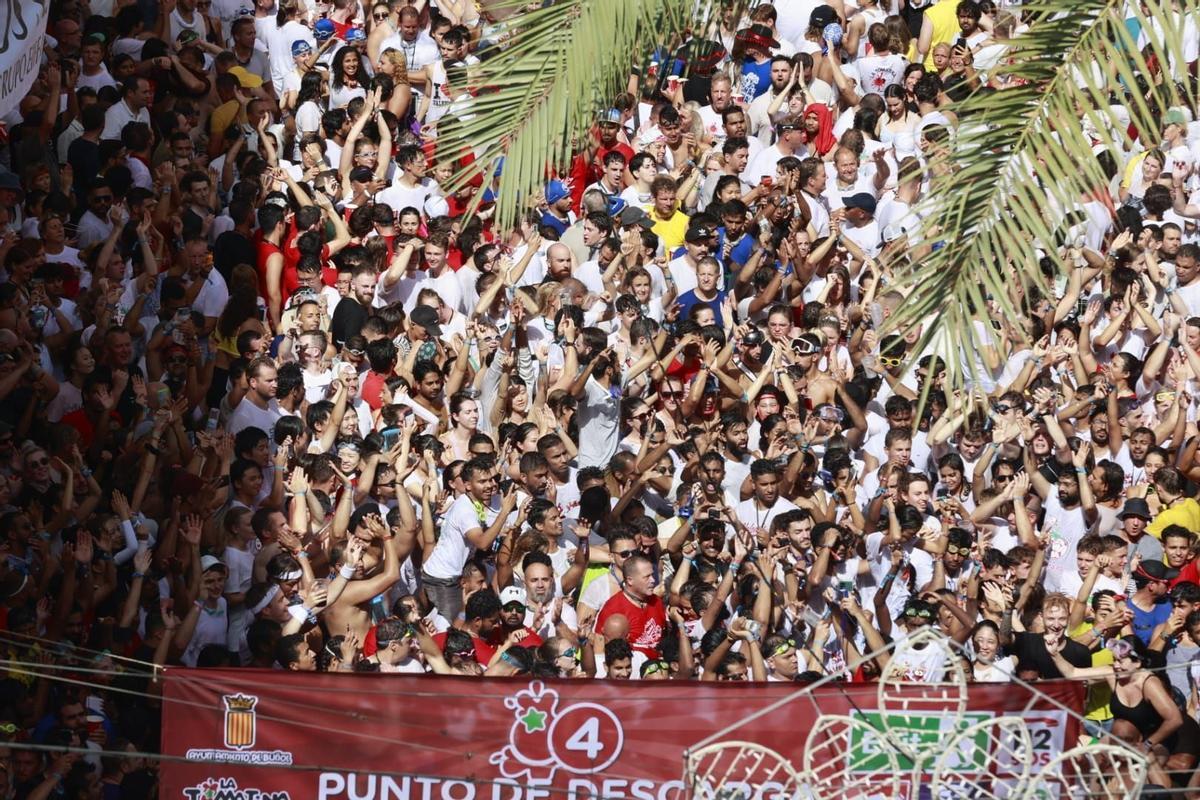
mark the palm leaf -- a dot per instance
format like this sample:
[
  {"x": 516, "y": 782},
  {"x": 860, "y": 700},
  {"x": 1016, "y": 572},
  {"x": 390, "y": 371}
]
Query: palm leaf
[
  {"x": 538, "y": 97},
  {"x": 1021, "y": 160}
]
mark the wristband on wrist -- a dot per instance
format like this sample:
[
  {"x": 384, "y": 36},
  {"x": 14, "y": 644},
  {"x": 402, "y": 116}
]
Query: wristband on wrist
[
  {"x": 346, "y": 571},
  {"x": 298, "y": 612},
  {"x": 302, "y": 554},
  {"x": 139, "y": 575}
]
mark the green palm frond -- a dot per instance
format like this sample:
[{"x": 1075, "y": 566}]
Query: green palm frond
[
  {"x": 538, "y": 97},
  {"x": 1021, "y": 160}
]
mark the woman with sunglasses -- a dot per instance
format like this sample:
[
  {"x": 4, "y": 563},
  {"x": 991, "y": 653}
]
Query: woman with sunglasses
[
  {"x": 1146, "y": 716},
  {"x": 560, "y": 657}
]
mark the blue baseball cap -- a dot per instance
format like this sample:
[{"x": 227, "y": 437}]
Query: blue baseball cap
[
  {"x": 300, "y": 47},
  {"x": 355, "y": 35},
  {"x": 555, "y": 191},
  {"x": 322, "y": 30}
]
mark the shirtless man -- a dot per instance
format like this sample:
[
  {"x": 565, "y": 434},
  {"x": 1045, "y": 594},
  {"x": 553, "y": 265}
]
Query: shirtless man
[{"x": 387, "y": 549}]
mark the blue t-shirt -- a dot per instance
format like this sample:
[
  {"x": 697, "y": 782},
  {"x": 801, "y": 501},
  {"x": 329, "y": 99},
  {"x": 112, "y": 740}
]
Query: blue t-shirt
[
  {"x": 559, "y": 225},
  {"x": 1144, "y": 622},
  {"x": 689, "y": 299},
  {"x": 756, "y": 78}
]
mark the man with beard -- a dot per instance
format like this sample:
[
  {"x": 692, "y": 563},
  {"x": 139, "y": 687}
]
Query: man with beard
[
  {"x": 598, "y": 387},
  {"x": 714, "y": 489},
  {"x": 562, "y": 486},
  {"x": 760, "y": 120},
  {"x": 514, "y": 607},
  {"x": 1070, "y": 512},
  {"x": 258, "y": 408},
  {"x": 535, "y": 478},
  {"x": 735, "y": 447},
  {"x": 545, "y": 614},
  {"x": 354, "y": 309}
]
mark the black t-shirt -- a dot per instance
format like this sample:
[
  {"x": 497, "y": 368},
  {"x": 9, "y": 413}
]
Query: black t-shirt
[
  {"x": 84, "y": 158},
  {"x": 347, "y": 321},
  {"x": 231, "y": 249},
  {"x": 1030, "y": 649}
]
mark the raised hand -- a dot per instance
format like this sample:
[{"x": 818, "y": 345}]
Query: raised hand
[
  {"x": 191, "y": 529},
  {"x": 142, "y": 560}
]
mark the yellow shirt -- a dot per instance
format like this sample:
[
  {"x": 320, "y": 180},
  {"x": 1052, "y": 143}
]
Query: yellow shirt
[
  {"x": 943, "y": 16},
  {"x": 222, "y": 116},
  {"x": 670, "y": 231},
  {"x": 1185, "y": 513},
  {"x": 1099, "y": 695}
]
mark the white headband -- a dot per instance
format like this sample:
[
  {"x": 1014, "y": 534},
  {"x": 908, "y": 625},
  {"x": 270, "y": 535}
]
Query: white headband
[{"x": 271, "y": 594}]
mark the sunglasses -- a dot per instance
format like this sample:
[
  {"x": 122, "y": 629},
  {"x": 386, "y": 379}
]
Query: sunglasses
[
  {"x": 570, "y": 653},
  {"x": 1162, "y": 397},
  {"x": 45, "y": 462},
  {"x": 1120, "y": 648},
  {"x": 889, "y": 361},
  {"x": 379, "y": 17},
  {"x": 1002, "y": 408},
  {"x": 781, "y": 648},
  {"x": 655, "y": 667},
  {"x": 923, "y": 613},
  {"x": 514, "y": 606},
  {"x": 1004, "y": 478},
  {"x": 958, "y": 551},
  {"x": 177, "y": 360},
  {"x": 626, "y": 553},
  {"x": 356, "y": 353},
  {"x": 675, "y": 395}
]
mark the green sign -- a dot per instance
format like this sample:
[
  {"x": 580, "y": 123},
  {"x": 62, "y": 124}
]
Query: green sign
[{"x": 915, "y": 732}]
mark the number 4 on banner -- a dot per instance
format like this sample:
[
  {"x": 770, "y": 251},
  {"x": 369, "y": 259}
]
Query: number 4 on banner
[{"x": 587, "y": 739}]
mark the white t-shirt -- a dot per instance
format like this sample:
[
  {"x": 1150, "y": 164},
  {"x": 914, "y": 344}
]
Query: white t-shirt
[
  {"x": 453, "y": 549},
  {"x": 1066, "y": 529},
  {"x": 247, "y": 415},
  {"x": 599, "y": 423},
  {"x": 750, "y": 515}
]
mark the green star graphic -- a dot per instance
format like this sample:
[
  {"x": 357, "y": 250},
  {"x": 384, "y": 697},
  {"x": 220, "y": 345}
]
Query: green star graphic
[{"x": 533, "y": 720}]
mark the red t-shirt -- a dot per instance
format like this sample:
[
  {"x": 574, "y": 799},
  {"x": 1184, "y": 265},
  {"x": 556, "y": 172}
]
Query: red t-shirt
[
  {"x": 483, "y": 650},
  {"x": 265, "y": 251},
  {"x": 584, "y": 174},
  {"x": 372, "y": 389},
  {"x": 1188, "y": 572},
  {"x": 531, "y": 638},
  {"x": 291, "y": 257},
  {"x": 646, "y": 623},
  {"x": 80, "y": 421}
]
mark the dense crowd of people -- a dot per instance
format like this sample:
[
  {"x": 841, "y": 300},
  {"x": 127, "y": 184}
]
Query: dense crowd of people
[{"x": 270, "y": 397}]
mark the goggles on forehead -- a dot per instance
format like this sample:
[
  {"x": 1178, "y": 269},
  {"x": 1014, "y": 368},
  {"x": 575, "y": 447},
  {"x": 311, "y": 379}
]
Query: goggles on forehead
[
  {"x": 781, "y": 648},
  {"x": 653, "y": 667}
]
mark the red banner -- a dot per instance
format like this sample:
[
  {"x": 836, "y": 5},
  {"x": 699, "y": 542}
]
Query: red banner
[{"x": 262, "y": 735}]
